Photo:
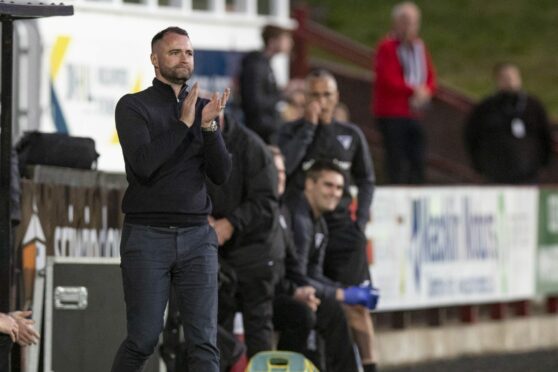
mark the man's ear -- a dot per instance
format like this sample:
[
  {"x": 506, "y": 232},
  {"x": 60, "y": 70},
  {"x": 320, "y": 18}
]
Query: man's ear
[
  {"x": 154, "y": 60},
  {"x": 308, "y": 184}
]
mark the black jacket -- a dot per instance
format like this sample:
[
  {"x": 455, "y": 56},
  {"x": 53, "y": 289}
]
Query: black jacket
[
  {"x": 248, "y": 199},
  {"x": 499, "y": 153},
  {"x": 167, "y": 162},
  {"x": 344, "y": 144},
  {"x": 259, "y": 96},
  {"x": 310, "y": 238},
  {"x": 291, "y": 276}
]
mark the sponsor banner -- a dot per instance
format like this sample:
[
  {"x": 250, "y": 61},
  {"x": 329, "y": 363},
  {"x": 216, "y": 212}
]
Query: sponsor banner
[
  {"x": 71, "y": 221},
  {"x": 547, "y": 255},
  {"x": 448, "y": 246}
]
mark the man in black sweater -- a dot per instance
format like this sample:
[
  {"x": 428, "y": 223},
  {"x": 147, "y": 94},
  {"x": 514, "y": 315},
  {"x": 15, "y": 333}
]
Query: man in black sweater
[
  {"x": 171, "y": 143},
  {"x": 244, "y": 219},
  {"x": 258, "y": 88}
]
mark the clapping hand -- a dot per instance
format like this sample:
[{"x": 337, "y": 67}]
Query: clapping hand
[
  {"x": 188, "y": 112},
  {"x": 216, "y": 104},
  {"x": 210, "y": 111}
]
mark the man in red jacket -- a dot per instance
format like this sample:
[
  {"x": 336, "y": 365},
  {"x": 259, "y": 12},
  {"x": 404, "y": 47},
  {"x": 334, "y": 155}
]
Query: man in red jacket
[{"x": 405, "y": 83}]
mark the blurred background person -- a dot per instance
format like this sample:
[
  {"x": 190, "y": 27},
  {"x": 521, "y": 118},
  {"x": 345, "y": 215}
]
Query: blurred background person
[
  {"x": 342, "y": 113},
  {"x": 507, "y": 134},
  {"x": 259, "y": 93},
  {"x": 404, "y": 85},
  {"x": 294, "y": 105}
]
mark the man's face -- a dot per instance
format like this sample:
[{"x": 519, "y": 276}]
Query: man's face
[
  {"x": 509, "y": 79},
  {"x": 326, "y": 191},
  {"x": 173, "y": 58},
  {"x": 281, "y": 174},
  {"x": 285, "y": 43},
  {"x": 407, "y": 24},
  {"x": 324, "y": 91}
]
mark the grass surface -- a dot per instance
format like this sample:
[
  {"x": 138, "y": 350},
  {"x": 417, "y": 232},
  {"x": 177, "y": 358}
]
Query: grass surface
[{"x": 466, "y": 38}]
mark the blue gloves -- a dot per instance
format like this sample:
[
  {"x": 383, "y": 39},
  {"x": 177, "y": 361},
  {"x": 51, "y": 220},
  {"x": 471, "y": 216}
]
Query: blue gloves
[{"x": 364, "y": 295}]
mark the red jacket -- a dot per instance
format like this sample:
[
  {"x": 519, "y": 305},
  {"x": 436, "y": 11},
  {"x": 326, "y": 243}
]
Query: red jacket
[{"x": 390, "y": 96}]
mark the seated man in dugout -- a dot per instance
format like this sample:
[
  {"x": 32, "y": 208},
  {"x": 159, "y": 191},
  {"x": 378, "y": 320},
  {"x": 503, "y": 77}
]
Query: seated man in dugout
[{"x": 316, "y": 300}]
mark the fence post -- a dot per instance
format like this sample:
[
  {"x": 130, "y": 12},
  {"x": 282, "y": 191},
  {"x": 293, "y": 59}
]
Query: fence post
[{"x": 299, "y": 62}]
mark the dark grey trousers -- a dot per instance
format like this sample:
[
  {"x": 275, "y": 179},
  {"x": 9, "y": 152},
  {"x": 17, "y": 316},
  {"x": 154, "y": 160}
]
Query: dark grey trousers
[{"x": 153, "y": 259}]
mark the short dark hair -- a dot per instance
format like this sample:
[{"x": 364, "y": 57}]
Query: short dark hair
[
  {"x": 322, "y": 165},
  {"x": 271, "y": 32},
  {"x": 161, "y": 34},
  {"x": 320, "y": 73}
]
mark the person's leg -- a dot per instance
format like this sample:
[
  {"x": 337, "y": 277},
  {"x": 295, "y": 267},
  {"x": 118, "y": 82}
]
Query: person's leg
[
  {"x": 228, "y": 303},
  {"x": 194, "y": 278},
  {"x": 415, "y": 151},
  {"x": 360, "y": 322},
  {"x": 345, "y": 259},
  {"x": 146, "y": 256},
  {"x": 230, "y": 348},
  {"x": 332, "y": 326},
  {"x": 351, "y": 268},
  {"x": 256, "y": 289},
  {"x": 392, "y": 130},
  {"x": 294, "y": 320},
  {"x": 170, "y": 347}
]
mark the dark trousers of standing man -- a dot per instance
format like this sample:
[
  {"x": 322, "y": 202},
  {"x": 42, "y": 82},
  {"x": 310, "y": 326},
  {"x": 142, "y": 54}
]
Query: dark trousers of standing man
[
  {"x": 153, "y": 259},
  {"x": 294, "y": 320},
  {"x": 404, "y": 144}
]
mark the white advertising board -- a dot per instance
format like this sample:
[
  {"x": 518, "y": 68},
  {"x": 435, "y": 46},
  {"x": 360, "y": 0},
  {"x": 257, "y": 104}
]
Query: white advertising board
[{"x": 450, "y": 246}]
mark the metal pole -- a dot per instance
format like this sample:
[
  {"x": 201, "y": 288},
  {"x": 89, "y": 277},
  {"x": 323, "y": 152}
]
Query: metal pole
[{"x": 5, "y": 160}]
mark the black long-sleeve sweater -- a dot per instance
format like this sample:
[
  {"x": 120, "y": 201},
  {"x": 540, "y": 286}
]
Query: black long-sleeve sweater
[{"x": 167, "y": 162}]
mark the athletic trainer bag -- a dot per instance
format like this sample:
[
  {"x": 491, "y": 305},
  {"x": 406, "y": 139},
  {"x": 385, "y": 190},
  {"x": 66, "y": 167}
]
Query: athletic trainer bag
[{"x": 56, "y": 149}]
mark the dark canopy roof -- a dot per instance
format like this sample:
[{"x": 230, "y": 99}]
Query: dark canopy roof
[{"x": 23, "y": 9}]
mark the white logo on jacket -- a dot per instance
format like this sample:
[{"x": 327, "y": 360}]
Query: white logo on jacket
[
  {"x": 318, "y": 240},
  {"x": 345, "y": 141}
]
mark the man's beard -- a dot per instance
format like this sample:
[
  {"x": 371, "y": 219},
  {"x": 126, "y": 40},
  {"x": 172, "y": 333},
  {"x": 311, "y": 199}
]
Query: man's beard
[{"x": 174, "y": 75}]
